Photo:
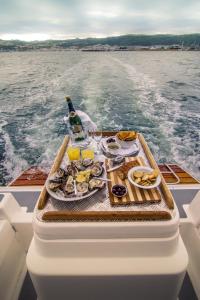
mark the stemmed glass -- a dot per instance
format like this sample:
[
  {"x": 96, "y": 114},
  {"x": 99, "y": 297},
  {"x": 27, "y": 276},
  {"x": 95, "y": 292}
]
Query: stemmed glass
[{"x": 97, "y": 136}]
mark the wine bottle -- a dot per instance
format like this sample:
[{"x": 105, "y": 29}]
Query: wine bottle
[{"x": 76, "y": 125}]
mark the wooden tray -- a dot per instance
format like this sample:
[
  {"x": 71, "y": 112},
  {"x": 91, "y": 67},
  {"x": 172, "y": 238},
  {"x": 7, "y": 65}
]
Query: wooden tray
[
  {"x": 65, "y": 215},
  {"x": 135, "y": 195}
]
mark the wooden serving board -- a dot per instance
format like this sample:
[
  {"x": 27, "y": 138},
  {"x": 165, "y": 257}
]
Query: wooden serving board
[{"x": 135, "y": 195}]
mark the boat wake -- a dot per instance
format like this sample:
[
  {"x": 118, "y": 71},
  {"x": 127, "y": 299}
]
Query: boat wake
[
  {"x": 173, "y": 143},
  {"x": 117, "y": 90}
]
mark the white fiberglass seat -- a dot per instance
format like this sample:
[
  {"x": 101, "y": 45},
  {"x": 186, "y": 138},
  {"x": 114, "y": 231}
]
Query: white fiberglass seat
[
  {"x": 14, "y": 241},
  {"x": 12, "y": 259},
  {"x": 190, "y": 232}
]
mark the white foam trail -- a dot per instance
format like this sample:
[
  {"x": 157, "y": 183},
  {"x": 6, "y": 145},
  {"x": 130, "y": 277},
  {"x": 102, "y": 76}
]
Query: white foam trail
[
  {"x": 167, "y": 116},
  {"x": 13, "y": 163},
  {"x": 145, "y": 87}
]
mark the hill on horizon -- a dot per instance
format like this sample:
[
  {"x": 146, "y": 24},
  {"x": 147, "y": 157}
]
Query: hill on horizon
[{"x": 123, "y": 40}]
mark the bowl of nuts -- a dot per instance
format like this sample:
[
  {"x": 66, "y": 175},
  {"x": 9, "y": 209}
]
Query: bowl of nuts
[{"x": 144, "y": 177}]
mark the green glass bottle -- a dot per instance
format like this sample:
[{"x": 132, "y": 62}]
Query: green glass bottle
[{"x": 76, "y": 125}]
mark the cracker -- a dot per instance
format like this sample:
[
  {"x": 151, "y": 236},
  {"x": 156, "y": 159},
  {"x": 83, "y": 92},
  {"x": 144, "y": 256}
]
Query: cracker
[{"x": 138, "y": 174}]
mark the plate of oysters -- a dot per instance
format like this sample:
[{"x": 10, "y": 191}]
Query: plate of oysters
[{"x": 80, "y": 179}]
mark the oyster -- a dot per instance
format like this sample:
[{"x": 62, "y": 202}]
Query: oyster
[
  {"x": 69, "y": 188},
  {"x": 96, "y": 169},
  {"x": 54, "y": 185},
  {"x": 55, "y": 179},
  {"x": 69, "y": 169},
  {"x": 87, "y": 162},
  {"x": 82, "y": 187},
  {"x": 70, "y": 180},
  {"x": 96, "y": 183},
  {"x": 72, "y": 169},
  {"x": 60, "y": 173},
  {"x": 79, "y": 165}
]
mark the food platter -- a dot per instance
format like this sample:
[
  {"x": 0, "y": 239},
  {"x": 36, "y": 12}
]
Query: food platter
[{"x": 76, "y": 181}]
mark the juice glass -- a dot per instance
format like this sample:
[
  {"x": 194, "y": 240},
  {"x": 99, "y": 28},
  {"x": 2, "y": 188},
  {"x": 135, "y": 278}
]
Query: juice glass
[
  {"x": 87, "y": 153},
  {"x": 73, "y": 153}
]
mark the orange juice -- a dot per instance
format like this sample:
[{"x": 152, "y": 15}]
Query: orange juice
[
  {"x": 73, "y": 153},
  {"x": 87, "y": 153}
]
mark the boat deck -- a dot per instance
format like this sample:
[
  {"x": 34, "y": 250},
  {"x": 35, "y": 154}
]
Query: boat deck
[
  {"x": 172, "y": 173},
  {"x": 35, "y": 177}
]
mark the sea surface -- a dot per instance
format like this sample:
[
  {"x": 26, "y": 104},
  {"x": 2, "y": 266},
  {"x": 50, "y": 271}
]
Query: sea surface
[{"x": 156, "y": 93}]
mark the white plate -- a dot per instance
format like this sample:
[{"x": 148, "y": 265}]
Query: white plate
[
  {"x": 141, "y": 168},
  {"x": 133, "y": 149},
  {"x": 125, "y": 144},
  {"x": 59, "y": 195}
]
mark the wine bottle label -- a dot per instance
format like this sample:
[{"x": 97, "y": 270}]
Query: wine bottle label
[
  {"x": 77, "y": 128},
  {"x": 78, "y": 132}
]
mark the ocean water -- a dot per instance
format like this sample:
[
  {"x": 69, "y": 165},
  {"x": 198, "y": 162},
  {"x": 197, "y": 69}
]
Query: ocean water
[{"x": 156, "y": 93}]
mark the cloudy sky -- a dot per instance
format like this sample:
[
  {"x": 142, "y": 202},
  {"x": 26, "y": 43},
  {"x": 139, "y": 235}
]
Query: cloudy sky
[{"x": 61, "y": 19}]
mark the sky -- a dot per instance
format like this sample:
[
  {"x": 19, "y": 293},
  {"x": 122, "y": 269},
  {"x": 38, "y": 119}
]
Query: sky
[{"x": 66, "y": 19}]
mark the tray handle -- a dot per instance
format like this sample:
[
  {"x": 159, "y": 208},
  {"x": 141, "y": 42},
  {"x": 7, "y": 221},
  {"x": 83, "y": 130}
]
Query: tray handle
[
  {"x": 167, "y": 194},
  {"x": 42, "y": 200},
  {"x": 51, "y": 216}
]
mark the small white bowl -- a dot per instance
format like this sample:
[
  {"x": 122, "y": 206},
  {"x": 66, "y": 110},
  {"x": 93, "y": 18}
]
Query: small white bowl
[
  {"x": 143, "y": 169},
  {"x": 125, "y": 144}
]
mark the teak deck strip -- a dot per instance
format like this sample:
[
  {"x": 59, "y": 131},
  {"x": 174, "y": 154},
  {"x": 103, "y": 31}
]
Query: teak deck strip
[
  {"x": 134, "y": 195},
  {"x": 30, "y": 177}
]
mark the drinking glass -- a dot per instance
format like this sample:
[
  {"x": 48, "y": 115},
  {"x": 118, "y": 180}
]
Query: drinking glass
[
  {"x": 73, "y": 153},
  {"x": 87, "y": 153},
  {"x": 97, "y": 136}
]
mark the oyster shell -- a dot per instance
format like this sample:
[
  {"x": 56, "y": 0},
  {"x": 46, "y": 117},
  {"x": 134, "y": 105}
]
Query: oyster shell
[
  {"x": 69, "y": 188},
  {"x": 82, "y": 187},
  {"x": 55, "y": 179},
  {"x": 87, "y": 162},
  {"x": 72, "y": 169},
  {"x": 70, "y": 180},
  {"x": 54, "y": 185},
  {"x": 96, "y": 183},
  {"x": 96, "y": 169},
  {"x": 79, "y": 165},
  {"x": 60, "y": 173}
]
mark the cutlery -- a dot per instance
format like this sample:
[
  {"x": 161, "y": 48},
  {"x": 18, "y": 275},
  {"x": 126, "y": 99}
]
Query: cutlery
[
  {"x": 75, "y": 189},
  {"x": 103, "y": 179},
  {"x": 114, "y": 168}
]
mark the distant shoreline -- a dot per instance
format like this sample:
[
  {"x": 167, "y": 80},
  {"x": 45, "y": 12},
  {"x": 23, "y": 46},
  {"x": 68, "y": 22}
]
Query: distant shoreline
[
  {"x": 95, "y": 51},
  {"x": 130, "y": 42}
]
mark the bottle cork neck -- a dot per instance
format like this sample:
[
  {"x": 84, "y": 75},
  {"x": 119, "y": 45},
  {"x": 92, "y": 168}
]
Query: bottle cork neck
[
  {"x": 72, "y": 113},
  {"x": 68, "y": 99}
]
